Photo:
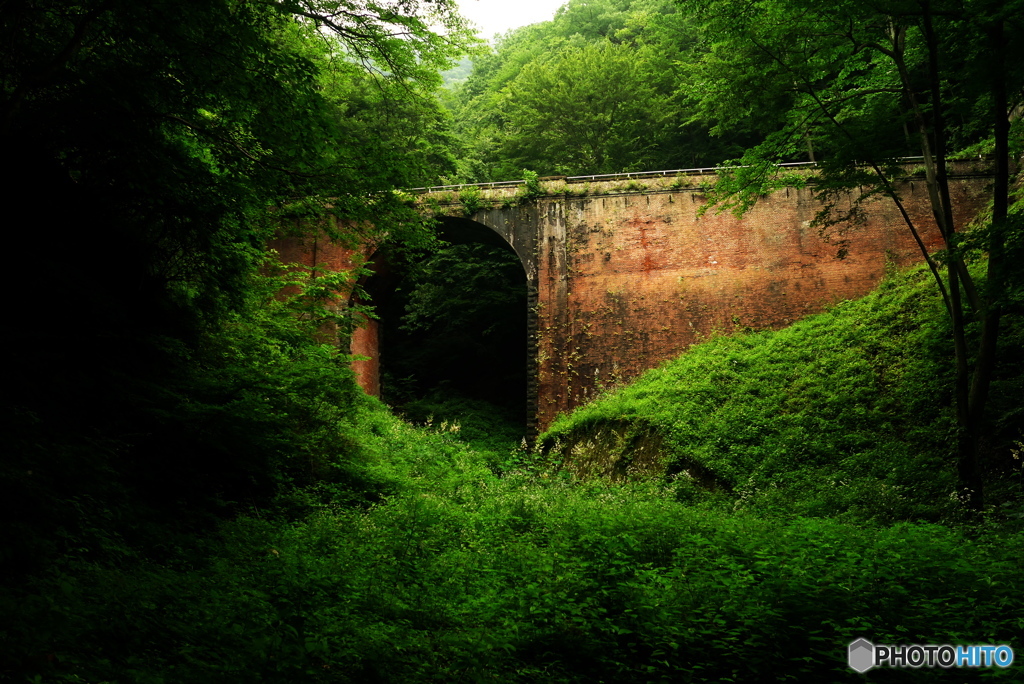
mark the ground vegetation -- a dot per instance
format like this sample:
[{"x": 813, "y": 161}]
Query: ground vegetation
[{"x": 195, "y": 490}]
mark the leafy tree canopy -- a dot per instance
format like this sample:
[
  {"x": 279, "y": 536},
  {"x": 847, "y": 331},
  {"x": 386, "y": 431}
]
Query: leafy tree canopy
[
  {"x": 155, "y": 147},
  {"x": 595, "y": 90},
  {"x": 588, "y": 107}
]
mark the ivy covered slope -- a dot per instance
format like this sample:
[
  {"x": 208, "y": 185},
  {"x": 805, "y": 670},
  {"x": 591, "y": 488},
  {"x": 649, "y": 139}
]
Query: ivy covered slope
[{"x": 847, "y": 413}]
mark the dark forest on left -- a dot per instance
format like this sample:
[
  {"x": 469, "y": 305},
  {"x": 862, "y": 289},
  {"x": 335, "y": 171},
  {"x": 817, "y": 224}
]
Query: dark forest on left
[
  {"x": 154, "y": 384},
  {"x": 193, "y": 488}
]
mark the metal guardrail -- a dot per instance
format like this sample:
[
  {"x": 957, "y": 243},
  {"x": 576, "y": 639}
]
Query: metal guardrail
[
  {"x": 704, "y": 171},
  {"x": 711, "y": 170},
  {"x": 495, "y": 184},
  {"x": 643, "y": 174}
]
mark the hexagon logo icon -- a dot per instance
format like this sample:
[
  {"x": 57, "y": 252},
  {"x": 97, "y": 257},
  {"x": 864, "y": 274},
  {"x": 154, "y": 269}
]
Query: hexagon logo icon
[{"x": 861, "y": 655}]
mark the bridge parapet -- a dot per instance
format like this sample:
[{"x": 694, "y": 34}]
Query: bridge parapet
[{"x": 505, "y": 193}]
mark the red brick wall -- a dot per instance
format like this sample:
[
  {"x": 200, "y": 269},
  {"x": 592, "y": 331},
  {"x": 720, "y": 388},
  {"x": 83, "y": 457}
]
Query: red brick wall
[
  {"x": 317, "y": 249},
  {"x": 628, "y": 281},
  {"x": 365, "y": 346}
]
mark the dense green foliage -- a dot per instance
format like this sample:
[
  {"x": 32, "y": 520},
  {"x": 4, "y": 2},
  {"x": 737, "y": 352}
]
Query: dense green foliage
[
  {"x": 405, "y": 554},
  {"x": 595, "y": 90},
  {"x": 194, "y": 490},
  {"x": 459, "y": 575},
  {"x": 620, "y": 85},
  {"x": 154, "y": 383}
]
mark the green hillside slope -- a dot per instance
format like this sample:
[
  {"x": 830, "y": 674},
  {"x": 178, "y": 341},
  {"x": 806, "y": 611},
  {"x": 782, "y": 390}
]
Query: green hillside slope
[{"x": 845, "y": 413}]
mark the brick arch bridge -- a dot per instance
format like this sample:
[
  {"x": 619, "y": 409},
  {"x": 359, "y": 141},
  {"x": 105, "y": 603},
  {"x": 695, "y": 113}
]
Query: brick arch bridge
[{"x": 623, "y": 273}]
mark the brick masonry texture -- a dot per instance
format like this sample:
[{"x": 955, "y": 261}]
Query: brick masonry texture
[
  {"x": 626, "y": 282},
  {"x": 625, "y": 275},
  {"x": 315, "y": 249}
]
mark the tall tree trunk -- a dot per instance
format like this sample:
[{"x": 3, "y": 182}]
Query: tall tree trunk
[
  {"x": 970, "y": 414},
  {"x": 996, "y": 277}
]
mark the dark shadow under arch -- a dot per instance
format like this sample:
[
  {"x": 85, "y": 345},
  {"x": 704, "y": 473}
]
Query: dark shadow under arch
[{"x": 502, "y": 368}]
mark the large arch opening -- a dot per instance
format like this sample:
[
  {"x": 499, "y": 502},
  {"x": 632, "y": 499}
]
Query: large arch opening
[{"x": 452, "y": 335}]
